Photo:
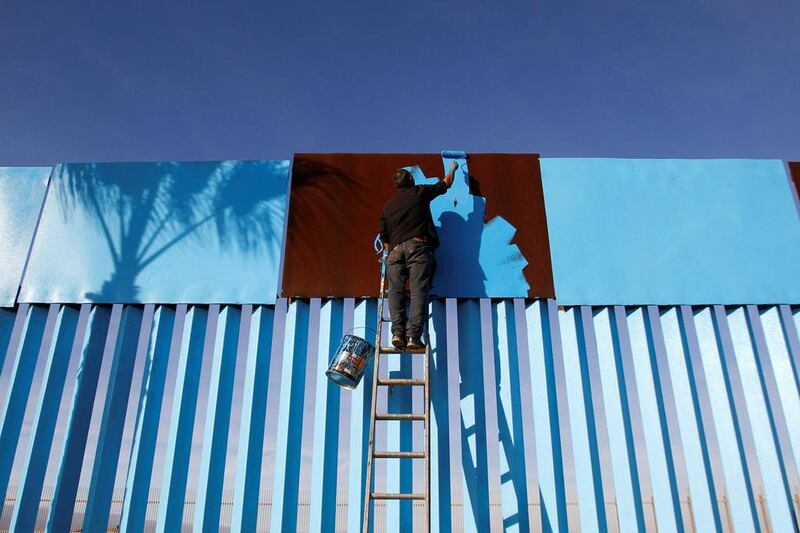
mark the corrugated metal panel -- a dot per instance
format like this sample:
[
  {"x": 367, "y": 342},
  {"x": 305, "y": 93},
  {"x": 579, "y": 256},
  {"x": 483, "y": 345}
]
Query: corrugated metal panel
[{"x": 220, "y": 417}]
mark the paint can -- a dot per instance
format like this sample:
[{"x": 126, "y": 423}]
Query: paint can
[{"x": 349, "y": 362}]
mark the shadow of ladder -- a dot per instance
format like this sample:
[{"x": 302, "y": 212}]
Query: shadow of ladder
[{"x": 478, "y": 488}]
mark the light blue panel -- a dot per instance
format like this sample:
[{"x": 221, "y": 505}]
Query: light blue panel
[
  {"x": 790, "y": 335},
  {"x": 80, "y": 416},
  {"x": 704, "y": 410},
  {"x": 7, "y": 318},
  {"x": 513, "y": 475},
  {"x": 140, "y": 470},
  {"x": 591, "y": 504},
  {"x": 364, "y": 316},
  {"x": 473, "y": 419},
  {"x": 490, "y": 409},
  {"x": 714, "y": 387},
  {"x": 743, "y": 513},
  {"x": 775, "y": 485},
  {"x": 44, "y": 422},
  {"x": 203, "y": 232},
  {"x": 290, "y": 419},
  {"x": 645, "y": 348},
  {"x": 22, "y": 191},
  {"x": 687, "y": 412},
  {"x": 254, "y": 412},
  {"x": 634, "y": 432},
  {"x": 326, "y": 422},
  {"x": 595, "y": 411},
  {"x": 632, "y": 231},
  {"x": 623, "y": 462},
  {"x": 552, "y": 491},
  {"x": 181, "y": 422},
  {"x": 559, "y": 384},
  {"x": 441, "y": 493},
  {"x": 785, "y": 396},
  {"x": 16, "y": 397},
  {"x": 476, "y": 258},
  {"x": 217, "y": 422},
  {"x": 106, "y": 457}
]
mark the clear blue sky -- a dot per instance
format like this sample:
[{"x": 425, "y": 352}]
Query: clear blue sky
[{"x": 669, "y": 78}]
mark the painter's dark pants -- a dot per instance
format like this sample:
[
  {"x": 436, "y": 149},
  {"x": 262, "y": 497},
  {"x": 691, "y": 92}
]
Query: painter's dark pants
[{"x": 411, "y": 260}]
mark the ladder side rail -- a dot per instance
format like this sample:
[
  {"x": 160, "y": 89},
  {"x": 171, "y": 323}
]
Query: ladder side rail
[
  {"x": 427, "y": 434},
  {"x": 375, "y": 374}
]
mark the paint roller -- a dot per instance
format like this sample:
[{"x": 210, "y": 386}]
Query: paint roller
[{"x": 454, "y": 154}]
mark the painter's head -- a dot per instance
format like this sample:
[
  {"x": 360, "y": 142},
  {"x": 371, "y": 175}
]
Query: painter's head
[{"x": 402, "y": 178}]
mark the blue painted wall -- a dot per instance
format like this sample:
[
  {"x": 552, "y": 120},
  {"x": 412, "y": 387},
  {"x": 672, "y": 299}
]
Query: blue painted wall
[
  {"x": 476, "y": 259},
  {"x": 619, "y": 418},
  {"x": 663, "y": 231},
  {"x": 592, "y": 418},
  {"x": 22, "y": 192},
  {"x": 160, "y": 232}
]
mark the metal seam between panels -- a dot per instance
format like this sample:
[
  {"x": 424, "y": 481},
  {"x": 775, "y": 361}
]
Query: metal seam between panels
[{"x": 603, "y": 418}]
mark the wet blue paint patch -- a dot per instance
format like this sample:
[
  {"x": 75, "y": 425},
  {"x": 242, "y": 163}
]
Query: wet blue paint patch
[
  {"x": 633, "y": 231},
  {"x": 476, "y": 258},
  {"x": 170, "y": 232},
  {"x": 22, "y": 192}
]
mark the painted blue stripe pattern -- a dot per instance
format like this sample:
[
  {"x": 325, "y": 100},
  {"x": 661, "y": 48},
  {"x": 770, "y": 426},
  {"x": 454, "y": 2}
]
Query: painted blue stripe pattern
[
  {"x": 137, "y": 486},
  {"x": 544, "y": 419},
  {"x": 44, "y": 421}
]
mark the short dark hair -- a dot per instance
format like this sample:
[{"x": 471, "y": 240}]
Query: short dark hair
[{"x": 402, "y": 178}]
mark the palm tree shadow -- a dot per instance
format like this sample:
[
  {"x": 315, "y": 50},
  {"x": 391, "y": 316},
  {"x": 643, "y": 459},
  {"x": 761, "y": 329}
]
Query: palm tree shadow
[{"x": 144, "y": 210}]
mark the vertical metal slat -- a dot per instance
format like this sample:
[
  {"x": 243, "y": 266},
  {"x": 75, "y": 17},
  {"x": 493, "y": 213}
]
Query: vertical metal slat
[
  {"x": 66, "y": 491},
  {"x": 55, "y": 374}
]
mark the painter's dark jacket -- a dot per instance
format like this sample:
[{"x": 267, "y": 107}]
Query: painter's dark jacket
[{"x": 408, "y": 214}]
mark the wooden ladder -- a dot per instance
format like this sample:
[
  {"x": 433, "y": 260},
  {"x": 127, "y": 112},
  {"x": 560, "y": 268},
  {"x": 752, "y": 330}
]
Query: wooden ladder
[{"x": 369, "y": 495}]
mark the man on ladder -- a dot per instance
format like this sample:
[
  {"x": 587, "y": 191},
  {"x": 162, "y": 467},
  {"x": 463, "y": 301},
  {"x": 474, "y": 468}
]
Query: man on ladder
[
  {"x": 409, "y": 238},
  {"x": 408, "y": 233}
]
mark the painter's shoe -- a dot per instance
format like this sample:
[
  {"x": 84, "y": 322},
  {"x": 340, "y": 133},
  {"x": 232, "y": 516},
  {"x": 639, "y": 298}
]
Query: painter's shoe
[
  {"x": 398, "y": 341},
  {"x": 415, "y": 343}
]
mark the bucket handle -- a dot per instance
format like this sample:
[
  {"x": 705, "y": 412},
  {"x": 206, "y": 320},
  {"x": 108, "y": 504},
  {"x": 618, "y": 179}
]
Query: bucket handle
[{"x": 368, "y": 330}]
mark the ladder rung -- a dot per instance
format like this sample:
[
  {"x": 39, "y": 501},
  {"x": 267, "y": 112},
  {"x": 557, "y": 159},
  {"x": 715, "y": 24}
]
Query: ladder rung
[
  {"x": 397, "y": 381},
  {"x": 399, "y": 455},
  {"x": 392, "y": 349},
  {"x": 390, "y": 496},
  {"x": 399, "y": 416}
]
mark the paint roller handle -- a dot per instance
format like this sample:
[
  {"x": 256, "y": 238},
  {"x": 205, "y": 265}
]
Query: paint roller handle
[{"x": 448, "y": 180}]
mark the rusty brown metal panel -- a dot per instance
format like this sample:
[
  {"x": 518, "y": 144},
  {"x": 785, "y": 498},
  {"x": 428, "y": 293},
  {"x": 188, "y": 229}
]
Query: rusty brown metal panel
[
  {"x": 512, "y": 186},
  {"x": 336, "y": 200},
  {"x": 335, "y": 203},
  {"x": 794, "y": 169}
]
